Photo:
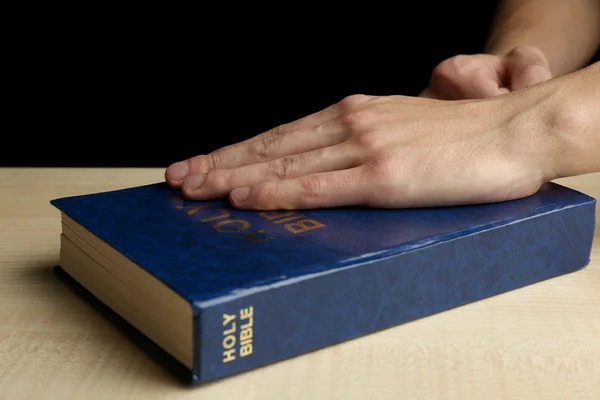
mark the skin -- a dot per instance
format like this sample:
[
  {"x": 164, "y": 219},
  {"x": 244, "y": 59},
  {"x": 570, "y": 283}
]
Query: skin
[
  {"x": 397, "y": 151},
  {"x": 489, "y": 127},
  {"x": 531, "y": 41},
  {"x": 566, "y": 32}
]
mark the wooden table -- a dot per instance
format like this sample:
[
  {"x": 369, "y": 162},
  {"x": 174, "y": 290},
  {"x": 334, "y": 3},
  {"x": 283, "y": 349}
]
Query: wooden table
[{"x": 540, "y": 342}]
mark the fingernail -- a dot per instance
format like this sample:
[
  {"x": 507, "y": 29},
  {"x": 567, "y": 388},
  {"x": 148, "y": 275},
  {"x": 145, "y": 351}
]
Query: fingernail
[
  {"x": 193, "y": 182},
  {"x": 177, "y": 171},
  {"x": 240, "y": 194}
]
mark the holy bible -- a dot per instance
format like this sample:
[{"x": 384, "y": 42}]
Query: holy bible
[{"x": 211, "y": 291}]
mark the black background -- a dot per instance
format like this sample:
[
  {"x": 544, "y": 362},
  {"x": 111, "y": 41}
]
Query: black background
[{"x": 153, "y": 85}]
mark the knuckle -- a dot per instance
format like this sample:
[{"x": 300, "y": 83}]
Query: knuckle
[
  {"x": 359, "y": 118},
  {"x": 265, "y": 147},
  {"x": 370, "y": 140},
  {"x": 465, "y": 65},
  {"x": 267, "y": 194},
  {"x": 312, "y": 185},
  {"x": 226, "y": 178},
  {"x": 213, "y": 160},
  {"x": 380, "y": 168},
  {"x": 218, "y": 180},
  {"x": 443, "y": 70},
  {"x": 456, "y": 67},
  {"x": 352, "y": 101},
  {"x": 447, "y": 68},
  {"x": 283, "y": 167},
  {"x": 278, "y": 131},
  {"x": 203, "y": 164}
]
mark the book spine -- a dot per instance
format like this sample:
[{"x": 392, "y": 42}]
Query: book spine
[{"x": 289, "y": 319}]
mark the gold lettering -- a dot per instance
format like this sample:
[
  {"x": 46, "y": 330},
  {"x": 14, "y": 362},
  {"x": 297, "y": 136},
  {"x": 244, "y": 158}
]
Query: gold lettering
[
  {"x": 192, "y": 209},
  {"x": 247, "y": 325},
  {"x": 254, "y": 237},
  {"x": 300, "y": 223},
  {"x": 230, "y": 330},
  {"x": 279, "y": 221},
  {"x": 220, "y": 226},
  {"x": 245, "y": 334},
  {"x": 299, "y": 226},
  {"x": 229, "y": 341},
  {"x": 227, "y": 318},
  {"x": 246, "y": 331},
  {"x": 304, "y": 225},
  {"x": 246, "y": 313},
  {"x": 224, "y": 214},
  {"x": 229, "y": 338},
  {"x": 245, "y": 350},
  {"x": 228, "y": 355},
  {"x": 271, "y": 215}
]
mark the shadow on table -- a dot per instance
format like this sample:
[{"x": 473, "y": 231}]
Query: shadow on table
[{"x": 161, "y": 369}]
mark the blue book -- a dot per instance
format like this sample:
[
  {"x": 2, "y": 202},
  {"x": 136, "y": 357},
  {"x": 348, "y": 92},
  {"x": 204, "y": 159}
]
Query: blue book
[{"x": 211, "y": 291}]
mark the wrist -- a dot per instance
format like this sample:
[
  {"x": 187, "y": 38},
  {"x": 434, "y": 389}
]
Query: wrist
[
  {"x": 551, "y": 127},
  {"x": 531, "y": 132}
]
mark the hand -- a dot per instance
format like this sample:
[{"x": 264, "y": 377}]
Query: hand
[
  {"x": 485, "y": 75},
  {"x": 371, "y": 151}
]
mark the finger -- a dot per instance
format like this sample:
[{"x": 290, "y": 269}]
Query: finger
[
  {"x": 465, "y": 77},
  {"x": 278, "y": 144},
  {"x": 220, "y": 182},
  {"x": 269, "y": 147},
  {"x": 527, "y": 66},
  {"x": 481, "y": 83},
  {"x": 478, "y": 86},
  {"x": 340, "y": 188},
  {"x": 309, "y": 133}
]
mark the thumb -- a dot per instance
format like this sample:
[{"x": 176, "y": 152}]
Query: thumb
[{"x": 526, "y": 66}]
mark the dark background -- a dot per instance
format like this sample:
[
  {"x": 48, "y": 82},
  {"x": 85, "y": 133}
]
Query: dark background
[{"x": 147, "y": 87}]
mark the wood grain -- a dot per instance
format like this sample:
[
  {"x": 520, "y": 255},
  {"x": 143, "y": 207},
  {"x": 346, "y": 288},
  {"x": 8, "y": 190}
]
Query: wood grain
[{"x": 540, "y": 342}]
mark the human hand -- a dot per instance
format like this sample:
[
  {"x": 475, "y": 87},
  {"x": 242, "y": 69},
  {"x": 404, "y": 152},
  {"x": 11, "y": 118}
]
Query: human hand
[
  {"x": 372, "y": 151},
  {"x": 486, "y": 75}
]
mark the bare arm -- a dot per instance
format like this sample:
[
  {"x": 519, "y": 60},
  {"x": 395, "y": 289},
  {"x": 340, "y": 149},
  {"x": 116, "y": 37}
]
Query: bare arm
[
  {"x": 561, "y": 118},
  {"x": 396, "y": 151},
  {"x": 567, "y": 31}
]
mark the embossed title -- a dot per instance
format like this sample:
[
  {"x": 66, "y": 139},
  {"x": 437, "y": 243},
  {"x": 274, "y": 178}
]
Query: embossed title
[{"x": 223, "y": 221}]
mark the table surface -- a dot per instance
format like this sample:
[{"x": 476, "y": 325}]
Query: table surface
[{"x": 539, "y": 342}]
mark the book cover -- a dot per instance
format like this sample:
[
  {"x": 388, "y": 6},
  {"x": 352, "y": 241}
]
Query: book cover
[{"x": 265, "y": 286}]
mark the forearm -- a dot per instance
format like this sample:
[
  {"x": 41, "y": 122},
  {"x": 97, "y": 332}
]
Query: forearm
[
  {"x": 567, "y": 31},
  {"x": 557, "y": 124}
]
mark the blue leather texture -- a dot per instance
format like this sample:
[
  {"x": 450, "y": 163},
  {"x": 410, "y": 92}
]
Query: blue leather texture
[{"x": 355, "y": 272}]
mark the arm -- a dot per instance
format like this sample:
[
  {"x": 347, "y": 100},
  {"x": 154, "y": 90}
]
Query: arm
[
  {"x": 396, "y": 151},
  {"x": 567, "y": 32},
  {"x": 564, "y": 137}
]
